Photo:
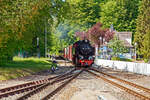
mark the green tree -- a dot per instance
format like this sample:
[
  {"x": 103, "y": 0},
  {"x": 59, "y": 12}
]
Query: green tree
[
  {"x": 117, "y": 46},
  {"x": 84, "y": 13},
  {"x": 143, "y": 29},
  {"x": 146, "y": 46},
  {"x": 121, "y": 13},
  {"x": 110, "y": 14},
  {"x": 22, "y": 21}
]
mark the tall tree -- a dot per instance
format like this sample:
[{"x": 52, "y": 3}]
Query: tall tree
[
  {"x": 22, "y": 21},
  {"x": 143, "y": 29},
  {"x": 146, "y": 46},
  {"x": 121, "y": 13},
  {"x": 84, "y": 13},
  {"x": 111, "y": 13}
]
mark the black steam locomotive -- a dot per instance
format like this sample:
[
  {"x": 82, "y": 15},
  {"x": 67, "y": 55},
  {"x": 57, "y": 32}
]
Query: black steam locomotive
[{"x": 83, "y": 53}]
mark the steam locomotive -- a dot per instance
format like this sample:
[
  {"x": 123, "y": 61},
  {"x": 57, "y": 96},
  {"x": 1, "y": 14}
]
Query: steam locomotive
[{"x": 81, "y": 53}]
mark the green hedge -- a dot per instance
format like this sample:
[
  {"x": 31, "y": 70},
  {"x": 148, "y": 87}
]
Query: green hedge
[{"x": 121, "y": 59}]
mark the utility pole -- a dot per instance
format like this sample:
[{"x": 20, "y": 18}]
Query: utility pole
[
  {"x": 38, "y": 48},
  {"x": 45, "y": 39},
  {"x": 135, "y": 44}
]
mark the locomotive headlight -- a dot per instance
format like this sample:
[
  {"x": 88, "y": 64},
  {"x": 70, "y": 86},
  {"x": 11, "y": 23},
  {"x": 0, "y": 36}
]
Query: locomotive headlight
[{"x": 93, "y": 57}]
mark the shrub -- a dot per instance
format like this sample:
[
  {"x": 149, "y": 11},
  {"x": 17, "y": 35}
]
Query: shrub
[
  {"x": 121, "y": 59},
  {"x": 146, "y": 60}
]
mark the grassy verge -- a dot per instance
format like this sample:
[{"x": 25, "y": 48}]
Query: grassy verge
[
  {"x": 20, "y": 67},
  {"x": 122, "y": 59}
]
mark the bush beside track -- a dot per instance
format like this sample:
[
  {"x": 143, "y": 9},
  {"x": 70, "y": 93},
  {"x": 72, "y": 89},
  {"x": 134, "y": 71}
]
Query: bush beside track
[
  {"x": 20, "y": 67},
  {"x": 121, "y": 59}
]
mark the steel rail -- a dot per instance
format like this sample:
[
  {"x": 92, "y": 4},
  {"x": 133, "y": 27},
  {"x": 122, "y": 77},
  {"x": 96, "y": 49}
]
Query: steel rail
[
  {"x": 124, "y": 81},
  {"x": 40, "y": 88},
  {"x": 142, "y": 97},
  {"x": 30, "y": 83},
  {"x": 9, "y": 91},
  {"x": 61, "y": 86}
]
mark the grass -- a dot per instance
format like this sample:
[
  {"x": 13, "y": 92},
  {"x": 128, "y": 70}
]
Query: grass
[
  {"x": 20, "y": 67},
  {"x": 122, "y": 59}
]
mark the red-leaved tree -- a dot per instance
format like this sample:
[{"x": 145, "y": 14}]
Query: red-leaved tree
[
  {"x": 109, "y": 35},
  {"x": 98, "y": 35}
]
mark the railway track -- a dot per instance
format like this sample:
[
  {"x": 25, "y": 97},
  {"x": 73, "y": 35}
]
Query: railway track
[
  {"x": 61, "y": 86},
  {"x": 68, "y": 77},
  {"x": 137, "y": 94},
  {"x": 36, "y": 87},
  {"x": 21, "y": 88}
]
